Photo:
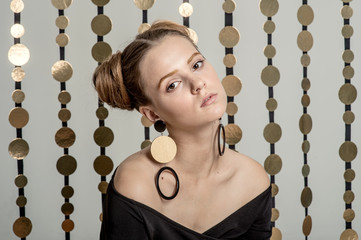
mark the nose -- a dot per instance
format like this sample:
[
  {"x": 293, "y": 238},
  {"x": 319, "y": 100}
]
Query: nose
[{"x": 197, "y": 85}]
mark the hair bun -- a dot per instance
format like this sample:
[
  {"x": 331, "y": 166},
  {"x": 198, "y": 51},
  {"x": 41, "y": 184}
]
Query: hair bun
[{"x": 108, "y": 82}]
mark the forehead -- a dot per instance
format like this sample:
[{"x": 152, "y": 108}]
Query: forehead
[{"x": 168, "y": 53}]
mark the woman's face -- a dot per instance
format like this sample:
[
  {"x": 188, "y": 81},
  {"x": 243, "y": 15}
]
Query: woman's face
[{"x": 184, "y": 88}]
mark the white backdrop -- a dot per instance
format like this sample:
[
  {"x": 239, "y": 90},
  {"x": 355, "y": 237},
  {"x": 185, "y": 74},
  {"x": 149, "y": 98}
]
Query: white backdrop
[{"x": 41, "y": 90}]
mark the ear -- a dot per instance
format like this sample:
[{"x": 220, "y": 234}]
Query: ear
[{"x": 148, "y": 112}]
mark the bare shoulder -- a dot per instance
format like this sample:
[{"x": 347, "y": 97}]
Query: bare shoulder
[
  {"x": 134, "y": 177},
  {"x": 249, "y": 172}
]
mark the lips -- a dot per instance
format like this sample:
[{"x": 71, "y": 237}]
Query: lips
[{"x": 209, "y": 99}]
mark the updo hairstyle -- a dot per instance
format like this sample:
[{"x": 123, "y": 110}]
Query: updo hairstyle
[{"x": 118, "y": 79}]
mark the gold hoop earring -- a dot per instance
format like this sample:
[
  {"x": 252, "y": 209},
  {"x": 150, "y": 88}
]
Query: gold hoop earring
[{"x": 163, "y": 148}]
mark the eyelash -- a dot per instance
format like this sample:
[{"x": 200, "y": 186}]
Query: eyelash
[{"x": 194, "y": 68}]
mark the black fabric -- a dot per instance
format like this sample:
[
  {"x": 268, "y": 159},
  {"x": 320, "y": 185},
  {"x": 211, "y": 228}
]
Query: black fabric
[{"x": 127, "y": 219}]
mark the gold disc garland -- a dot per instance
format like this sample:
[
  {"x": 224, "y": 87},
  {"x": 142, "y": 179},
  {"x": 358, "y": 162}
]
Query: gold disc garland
[
  {"x": 103, "y": 136},
  {"x": 18, "y": 149},
  {"x": 229, "y": 37},
  {"x": 144, "y": 5},
  {"x": 347, "y": 95},
  {"x": 272, "y": 133},
  {"x": 305, "y": 17},
  {"x": 62, "y": 71}
]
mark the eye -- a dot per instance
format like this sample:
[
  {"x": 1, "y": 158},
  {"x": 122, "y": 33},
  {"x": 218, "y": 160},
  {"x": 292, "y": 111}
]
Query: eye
[
  {"x": 198, "y": 64},
  {"x": 172, "y": 86}
]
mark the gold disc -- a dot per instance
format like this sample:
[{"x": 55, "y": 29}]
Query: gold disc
[
  {"x": 229, "y": 36},
  {"x": 305, "y": 123},
  {"x": 145, "y": 143},
  {"x": 349, "y": 215},
  {"x": 18, "y": 148},
  {"x": 17, "y": 74},
  {"x": 229, "y": 60},
  {"x": 62, "y": 22},
  {"x": 18, "y": 117},
  {"x": 305, "y": 100},
  {"x": 21, "y": 181},
  {"x": 229, "y": 6},
  {"x": 21, "y": 201},
  {"x": 67, "y": 192},
  {"x": 66, "y": 165},
  {"x": 65, "y": 137},
  {"x": 145, "y": 121},
  {"x": 233, "y": 133},
  {"x": 273, "y": 164},
  {"x": 231, "y": 109},
  {"x": 64, "y": 97},
  {"x": 67, "y": 225},
  {"x": 269, "y": 27},
  {"x": 102, "y": 113},
  {"x": 271, "y": 104},
  {"x": 18, "y": 54},
  {"x": 305, "y": 41},
  {"x": 305, "y": 60},
  {"x": 143, "y": 27},
  {"x": 62, "y": 39},
  {"x": 305, "y": 170},
  {"x": 275, "y": 214},
  {"x": 144, "y": 4},
  {"x": 64, "y": 115},
  {"x": 17, "y": 30},
  {"x": 347, "y": 93},
  {"x": 276, "y": 234},
  {"x": 62, "y": 71},
  {"x": 67, "y": 208},
  {"x": 270, "y": 76},
  {"x": 306, "y": 84},
  {"x": 348, "y": 117},
  {"x": 100, "y": 3},
  {"x": 103, "y": 187},
  {"x": 103, "y": 136},
  {"x": 101, "y": 25},
  {"x": 305, "y": 15},
  {"x": 348, "y": 56},
  {"x": 101, "y": 51},
  {"x": 307, "y": 225},
  {"x": 232, "y": 85},
  {"x": 103, "y": 165},
  {"x": 349, "y": 175},
  {"x": 348, "y": 197},
  {"x": 269, "y": 8},
  {"x": 185, "y": 9},
  {"x": 346, "y": 12},
  {"x": 306, "y": 146},
  {"x": 17, "y": 6},
  {"x": 163, "y": 149},
  {"x": 349, "y": 234},
  {"x": 272, "y": 132},
  {"x": 18, "y": 96},
  {"x": 269, "y": 51},
  {"x": 348, "y": 72},
  {"x": 347, "y": 31},
  {"x": 22, "y": 227},
  {"x": 348, "y": 151},
  {"x": 61, "y": 4},
  {"x": 274, "y": 189},
  {"x": 306, "y": 197}
]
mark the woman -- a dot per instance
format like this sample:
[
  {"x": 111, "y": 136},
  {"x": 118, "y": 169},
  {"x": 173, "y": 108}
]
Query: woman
[{"x": 204, "y": 193}]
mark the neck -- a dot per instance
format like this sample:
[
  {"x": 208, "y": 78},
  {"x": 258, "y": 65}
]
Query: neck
[{"x": 197, "y": 150}]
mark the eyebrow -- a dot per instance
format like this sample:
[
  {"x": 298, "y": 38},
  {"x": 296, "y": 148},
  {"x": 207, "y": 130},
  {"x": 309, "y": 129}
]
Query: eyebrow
[{"x": 175, "y": 71}]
